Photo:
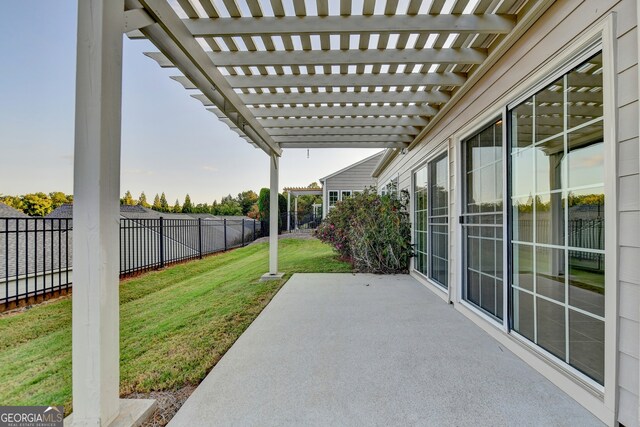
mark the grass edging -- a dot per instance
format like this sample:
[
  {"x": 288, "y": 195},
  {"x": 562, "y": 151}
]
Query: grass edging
[{"x": 175, "y": 324}]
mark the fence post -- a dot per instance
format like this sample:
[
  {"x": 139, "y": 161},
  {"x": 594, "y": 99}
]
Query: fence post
[
  {"x": 242, "y": 231},
  {"x": 225, "y": 233},
  {"x": 254, "y": 229},
  {"x": 161, "y": 242},
  {"x": 200, "y": 237}
]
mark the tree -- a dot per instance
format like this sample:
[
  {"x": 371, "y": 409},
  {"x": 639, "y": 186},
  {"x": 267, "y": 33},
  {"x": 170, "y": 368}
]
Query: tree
[
  {"x": 187, "y": 207},
  {"x": 263, "y": 206},
  {"x": 313, "y": 185},
  {"x": 247, "y": 199},
  {"x": 14, "y": 201},
  {"x": 176, "y": 207},
  {"x": 202, "y": 208},
  {"x": 254, "y": 213},
  {"x": 142, "y": 200},
  {"x": 127, "y": 199},
  {"x": 164, "y": 205},
  {"x": 58, "y": 198},
  {"x": 157, "y": 206},
  {"x": 37, "y": 204}
]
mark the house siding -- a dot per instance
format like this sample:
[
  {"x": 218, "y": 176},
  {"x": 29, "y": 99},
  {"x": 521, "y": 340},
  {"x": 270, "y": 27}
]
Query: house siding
[
  {"x": 354, "y": 178},
  {"x": 559, "y": 26}
]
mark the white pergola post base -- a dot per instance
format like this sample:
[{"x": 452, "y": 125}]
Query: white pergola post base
[
  {"x": 273, "y": 220},
  {"x": 96, "y": 217},
  {"x": 132, "y": 413}
]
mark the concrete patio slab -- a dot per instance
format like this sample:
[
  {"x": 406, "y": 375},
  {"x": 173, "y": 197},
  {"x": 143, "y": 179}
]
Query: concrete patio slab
[{"x": 343, "y": 349}]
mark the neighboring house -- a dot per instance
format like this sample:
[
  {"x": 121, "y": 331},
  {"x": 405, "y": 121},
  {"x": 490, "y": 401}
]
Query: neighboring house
[
  {"x": 7, "y": 211},
  {"x": 343, "y": 183}
]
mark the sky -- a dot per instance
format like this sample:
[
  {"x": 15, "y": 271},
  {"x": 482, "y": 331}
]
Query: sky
[{"x": 170, "y": 142}]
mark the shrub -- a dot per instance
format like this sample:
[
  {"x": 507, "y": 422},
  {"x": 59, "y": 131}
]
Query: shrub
[
  {"x": 264, "y": 200},
  {"x": 370, "y": 230}
]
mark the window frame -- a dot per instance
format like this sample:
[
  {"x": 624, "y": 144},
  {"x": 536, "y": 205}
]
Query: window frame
[
  {"x": 570, "y": 64},
  {"x": 481, "y": 126},
  {"x": 441, "y": 149},
  {"x": 329, "y": 205},
  {"x": 600, "y": 36}
]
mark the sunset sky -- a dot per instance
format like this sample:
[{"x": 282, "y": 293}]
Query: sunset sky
[{"x": 170, "y": 142}]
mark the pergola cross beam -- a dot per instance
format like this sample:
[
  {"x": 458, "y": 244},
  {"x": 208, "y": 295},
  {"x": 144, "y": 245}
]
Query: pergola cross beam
[
  {"x": 370, "y": 24},
  {"x": 338, "y": 80}
]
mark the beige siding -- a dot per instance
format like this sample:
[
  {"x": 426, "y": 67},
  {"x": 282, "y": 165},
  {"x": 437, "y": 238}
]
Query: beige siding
[
  {"x": 558, "y": 27},
  {"x": 356, "y": 178}
]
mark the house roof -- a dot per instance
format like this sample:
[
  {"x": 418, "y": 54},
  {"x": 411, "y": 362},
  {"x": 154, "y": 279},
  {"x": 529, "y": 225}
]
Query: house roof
[
  {"x": 137, "y": 212},
  {"x": 7, "y": 211},
  {"x": 375, "y": 156},
  {"x": 329, "y": 74},
  {"x": 62, "y": 211}
]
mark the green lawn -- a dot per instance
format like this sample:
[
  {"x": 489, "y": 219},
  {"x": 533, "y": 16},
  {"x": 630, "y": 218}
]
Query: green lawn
[{"x": 175, "y": 323}]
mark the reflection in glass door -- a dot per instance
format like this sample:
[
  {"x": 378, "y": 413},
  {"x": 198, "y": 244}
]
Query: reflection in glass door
[
  {"x": 557, "y": 218},
  {"x": 481, "y": 220}
]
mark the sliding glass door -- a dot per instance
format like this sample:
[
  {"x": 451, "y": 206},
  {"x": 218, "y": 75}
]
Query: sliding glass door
[
  {"x": 481, "y": 220},
  {"x": 431, "y": 195},
  {"x": 557, "y": 218}
]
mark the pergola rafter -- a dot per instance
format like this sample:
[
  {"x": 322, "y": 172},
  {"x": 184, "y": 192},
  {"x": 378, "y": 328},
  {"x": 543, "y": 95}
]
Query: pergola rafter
[
  {"x": 340, "y": 57},
  {"x": 363, "y": 111},
  {"x": 335, "y": 69},
  {"x": 351, "y": 24},
  {"x": 433, "y": 97},
  {"x": 340, "y": 80}
]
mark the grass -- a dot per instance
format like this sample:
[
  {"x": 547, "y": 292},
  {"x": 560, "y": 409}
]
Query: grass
[{"x": 175, "y": 324}]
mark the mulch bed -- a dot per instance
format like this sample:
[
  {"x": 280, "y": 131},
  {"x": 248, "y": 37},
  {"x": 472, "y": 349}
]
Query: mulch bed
[{"x": 168, "y": 404}]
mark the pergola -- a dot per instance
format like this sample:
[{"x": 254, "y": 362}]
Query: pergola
[
  {"x": 296, "y": 192},
  {"x": 280, "y": 73}
]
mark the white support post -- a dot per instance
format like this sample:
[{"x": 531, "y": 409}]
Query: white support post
[
  {"x": 273, "y": 216},
  {"x": 296, "y": 213},
  {"x": 289, "y": 211},
  {"x": 96, "y": 350},
  {"x": 95, "y": 324}
]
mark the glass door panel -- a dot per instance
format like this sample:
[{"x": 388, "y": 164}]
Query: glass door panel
[{"x": 481, "y": 220}]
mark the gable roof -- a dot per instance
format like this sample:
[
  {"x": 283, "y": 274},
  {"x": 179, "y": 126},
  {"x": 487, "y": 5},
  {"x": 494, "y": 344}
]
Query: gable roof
[
  {"x": 375, "y": 156},
  {"x": 7, "y": 211}
]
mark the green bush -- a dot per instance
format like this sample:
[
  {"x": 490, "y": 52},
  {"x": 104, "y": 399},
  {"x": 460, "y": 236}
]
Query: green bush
[
  {"x": 371, "y": 231},
  {"x": 263, "y": 209}
]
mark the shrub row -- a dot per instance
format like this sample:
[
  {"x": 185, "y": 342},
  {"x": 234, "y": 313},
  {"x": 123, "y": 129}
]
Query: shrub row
[{"x": 371, "y": 231}]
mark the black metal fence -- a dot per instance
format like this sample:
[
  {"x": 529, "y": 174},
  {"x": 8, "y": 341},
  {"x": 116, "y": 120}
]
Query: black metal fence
[
  {"x": 35, "y": 257},
  {"x": 301, "y": 221},
  {"x": 36, "y": 253}
]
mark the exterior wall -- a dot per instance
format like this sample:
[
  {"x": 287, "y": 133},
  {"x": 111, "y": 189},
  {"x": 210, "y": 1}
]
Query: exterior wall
[
  {"x": 354, "y": 178},
  {"x": 560, "y": 26}
]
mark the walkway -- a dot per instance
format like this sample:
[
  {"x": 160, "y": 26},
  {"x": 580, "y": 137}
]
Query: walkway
[{"x": 363, "y": 350}]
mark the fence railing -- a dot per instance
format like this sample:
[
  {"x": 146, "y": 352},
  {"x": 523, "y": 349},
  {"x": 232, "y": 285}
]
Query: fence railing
[
  {"x": 301, "y": 221},
  {"x": 36, "y": 253}
]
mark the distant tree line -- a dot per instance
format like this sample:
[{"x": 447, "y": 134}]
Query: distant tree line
[
  {"x": 246, "y": 203},
  {"x": 37, "y": 204}
]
